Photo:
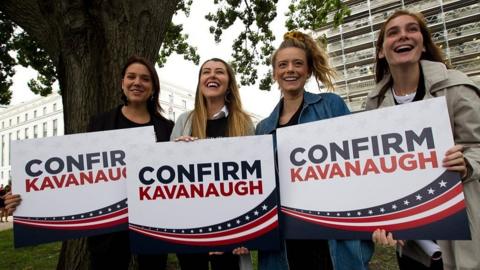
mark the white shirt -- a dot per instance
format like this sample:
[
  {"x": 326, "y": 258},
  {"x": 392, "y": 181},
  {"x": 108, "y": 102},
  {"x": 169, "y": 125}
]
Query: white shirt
[
  {"x": 403, "y": 99},
  {"x": 221, "y": 114}
]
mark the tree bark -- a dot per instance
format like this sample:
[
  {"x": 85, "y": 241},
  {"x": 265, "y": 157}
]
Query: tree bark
[{"x": 89, "y": 41}]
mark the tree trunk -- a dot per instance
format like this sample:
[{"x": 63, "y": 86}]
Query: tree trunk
[{"x": 89, "y": 41}]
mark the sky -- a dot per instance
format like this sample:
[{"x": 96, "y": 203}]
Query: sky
[{"x": 177, "y": 69}]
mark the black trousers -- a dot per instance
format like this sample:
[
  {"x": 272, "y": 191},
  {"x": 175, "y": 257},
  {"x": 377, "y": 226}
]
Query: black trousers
[
  {"x": 199, "y": 261},
  {"x": 308, "y": 254},
  {"x": 112, "y": 251}
]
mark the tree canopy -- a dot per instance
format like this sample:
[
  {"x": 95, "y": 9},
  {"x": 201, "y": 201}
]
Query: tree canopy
[{"x": 251, "y": 48}]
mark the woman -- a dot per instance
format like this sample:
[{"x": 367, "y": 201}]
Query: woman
[
  {"x": 217, "y": 113},
  {"x": 294, "y": 62},
  {"x": 141, "y": 107},
  {"x": 410, "y": 67},
  {"x": 3, "y": 212}
]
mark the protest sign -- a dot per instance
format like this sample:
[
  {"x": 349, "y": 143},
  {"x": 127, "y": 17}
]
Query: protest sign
[
  {"x": 345, "y": 177},
  {"x": 72, "y": 186},
  {"x": 206, "y": 195}
]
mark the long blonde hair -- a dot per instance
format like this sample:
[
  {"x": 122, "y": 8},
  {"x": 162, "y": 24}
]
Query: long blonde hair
[
  {"x": 317, "y": 59},
  {"x": 239, "y": 122}
]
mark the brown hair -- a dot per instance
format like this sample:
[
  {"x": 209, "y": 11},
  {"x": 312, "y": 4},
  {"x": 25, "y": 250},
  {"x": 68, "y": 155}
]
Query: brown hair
[
  {"x": 153, "y": 104},
  {"x": 317, "y": 59},
  {"x": 239, "y": 122},
  {"x": 432, "y": 52}
]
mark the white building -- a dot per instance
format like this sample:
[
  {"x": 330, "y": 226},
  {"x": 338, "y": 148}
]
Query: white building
[
  {"x": 39, "y": 118},
  {"x": 43, "y": 117},
  {"x": 455, "y": 27},
  {"x": 175, "y": 100}
]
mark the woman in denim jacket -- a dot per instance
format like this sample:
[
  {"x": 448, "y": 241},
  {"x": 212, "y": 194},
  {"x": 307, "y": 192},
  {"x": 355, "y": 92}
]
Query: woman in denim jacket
[{"x": 294, "y": 62}]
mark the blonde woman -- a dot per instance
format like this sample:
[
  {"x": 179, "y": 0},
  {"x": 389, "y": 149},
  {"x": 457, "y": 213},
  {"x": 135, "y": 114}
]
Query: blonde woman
[
  {"x": 217, "y": 113},
  {"x": 294, "y": 62}
]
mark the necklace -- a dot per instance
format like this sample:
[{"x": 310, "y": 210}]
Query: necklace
[
  {"x": 403, "y": 99},
  {"x": 405, "y": 95}
]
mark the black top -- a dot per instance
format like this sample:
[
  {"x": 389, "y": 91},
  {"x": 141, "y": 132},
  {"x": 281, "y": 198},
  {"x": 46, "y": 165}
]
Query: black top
[
  {"x": 217, "y": 127},
  {"x": 101, "y": 246},
  {"x": 294, "y": 120},
  {"x": 124, "y": 122},
  {"x": 112, "y": 120}
]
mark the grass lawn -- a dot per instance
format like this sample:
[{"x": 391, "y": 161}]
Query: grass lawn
[
  {"x": 44, "y": 257},
  {"x": 38, "y": 257}
]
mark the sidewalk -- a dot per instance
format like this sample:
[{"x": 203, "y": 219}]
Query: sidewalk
[{"x": 6, "y": 225}]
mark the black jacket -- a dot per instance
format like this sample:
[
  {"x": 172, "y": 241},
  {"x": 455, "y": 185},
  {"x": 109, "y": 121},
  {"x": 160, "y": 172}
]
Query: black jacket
[
  {"x": 106, "y": 121},
  {"x": 104, "y": 248}
]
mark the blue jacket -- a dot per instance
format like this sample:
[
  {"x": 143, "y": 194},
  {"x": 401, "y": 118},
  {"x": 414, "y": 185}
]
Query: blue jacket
[{"x": 345, "y": 254}]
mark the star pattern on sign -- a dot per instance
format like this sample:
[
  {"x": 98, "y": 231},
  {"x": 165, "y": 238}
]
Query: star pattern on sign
[
  {"x": 412, "y": 200},
  {"x": 261, "y": 210},
  {"x": 92, "y": 214}
]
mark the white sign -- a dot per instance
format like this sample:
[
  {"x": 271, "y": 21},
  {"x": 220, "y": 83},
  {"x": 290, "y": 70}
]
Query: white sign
[
  {"x": 375, "y": 169},
  {"x": 72, "y": 185},
  {"x": 199, "y": 195}
]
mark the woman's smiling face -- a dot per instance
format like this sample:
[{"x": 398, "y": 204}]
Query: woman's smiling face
[
  {"x": 214, "y": 80},
  {"x": 137, "y": 83},
  {"x": 403, "y": 41},
  {"x": 291, "y": 69}
]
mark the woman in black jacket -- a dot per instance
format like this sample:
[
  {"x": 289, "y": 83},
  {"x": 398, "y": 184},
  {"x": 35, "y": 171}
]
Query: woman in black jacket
[{"x": 141, "y": 107}]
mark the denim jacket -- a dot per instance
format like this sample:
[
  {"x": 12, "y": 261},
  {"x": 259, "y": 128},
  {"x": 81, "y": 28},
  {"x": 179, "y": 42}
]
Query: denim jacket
[{"x": 345, "y": 254}]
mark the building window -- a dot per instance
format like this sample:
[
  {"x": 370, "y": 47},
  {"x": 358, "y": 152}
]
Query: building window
[
  {"x": 18, "y": 134},
  {"x": 54, "y": 127},
  {"x": 3, "y": 124},
  {"x": 44, "y": 110},
  {"x": 35, "y": 114},
  {"x": 26, "y": 133},
  {"x": 9, "y": 147},
  {"x": 171, "y": 115},
  {"x": 3, "y": 151},
  {"x": 54, "y": 107},
  {"x": 26, "y": 117},
  {"x": 184, "y": 103},
  {"x": 9, "y": 122},
  {"x": 35, "y": 131},
  {"x": 18, "y": 119},
  {"x": 44, "y": 129}
]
